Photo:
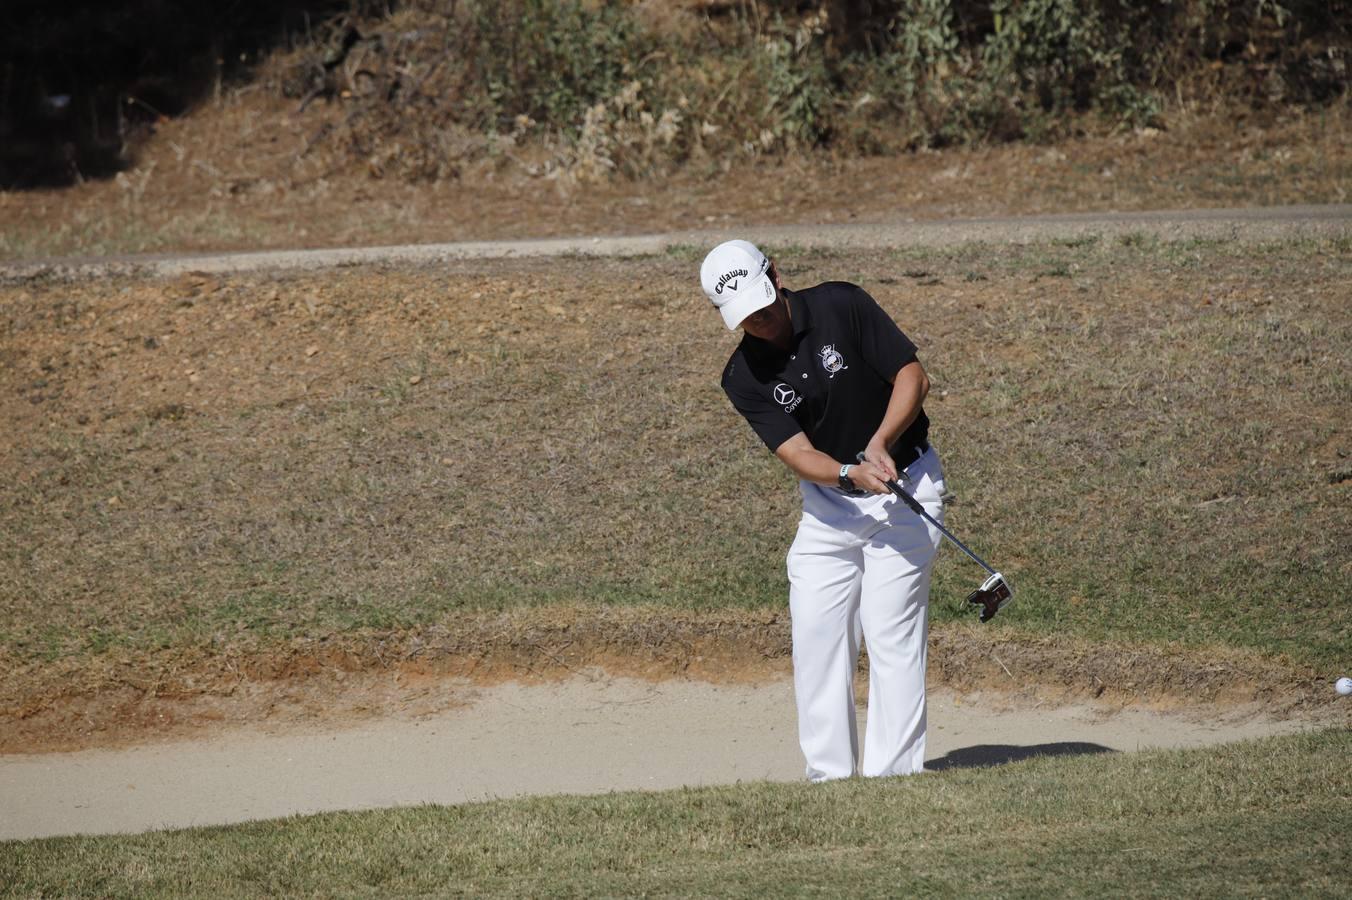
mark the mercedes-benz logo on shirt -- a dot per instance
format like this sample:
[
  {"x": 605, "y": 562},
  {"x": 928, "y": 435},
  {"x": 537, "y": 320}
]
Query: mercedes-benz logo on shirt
[{"x": 784, "y": 395}]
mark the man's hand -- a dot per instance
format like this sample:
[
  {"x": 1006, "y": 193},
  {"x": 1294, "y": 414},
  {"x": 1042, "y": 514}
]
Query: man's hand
[
  {"x": 876, "y": 454},
  {"x": 870, "y": 477}
]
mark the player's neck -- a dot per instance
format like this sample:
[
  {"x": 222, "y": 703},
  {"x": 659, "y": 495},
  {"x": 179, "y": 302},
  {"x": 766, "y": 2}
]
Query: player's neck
[{"x": 783, "y": 337}]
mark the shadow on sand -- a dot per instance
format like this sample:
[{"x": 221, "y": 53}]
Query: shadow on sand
[{"x": 984, "y": 755}]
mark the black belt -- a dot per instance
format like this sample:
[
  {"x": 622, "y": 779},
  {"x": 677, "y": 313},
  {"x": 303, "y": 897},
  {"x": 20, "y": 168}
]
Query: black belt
[{"x": 905, "y": 462}]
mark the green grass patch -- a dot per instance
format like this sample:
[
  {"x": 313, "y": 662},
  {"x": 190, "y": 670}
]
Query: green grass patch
[{"x": 1262, "y": 818}]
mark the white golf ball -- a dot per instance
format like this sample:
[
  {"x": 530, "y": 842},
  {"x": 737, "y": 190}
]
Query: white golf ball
[{"x": 1343, "y": 686}]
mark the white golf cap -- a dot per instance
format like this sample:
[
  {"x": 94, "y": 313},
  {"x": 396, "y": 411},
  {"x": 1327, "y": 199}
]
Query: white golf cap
[{"x": 735, "y": 278}]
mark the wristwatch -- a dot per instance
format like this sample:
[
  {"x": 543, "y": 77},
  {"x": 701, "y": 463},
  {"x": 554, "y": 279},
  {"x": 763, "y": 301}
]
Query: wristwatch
[{"x": 846, "y": 484}]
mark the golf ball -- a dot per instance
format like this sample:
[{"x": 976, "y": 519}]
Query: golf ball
[{"x": 1343, "y": 686}]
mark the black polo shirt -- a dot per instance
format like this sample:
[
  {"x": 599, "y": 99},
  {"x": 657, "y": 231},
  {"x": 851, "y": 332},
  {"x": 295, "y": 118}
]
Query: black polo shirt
[{"x": 833, "y": 383}]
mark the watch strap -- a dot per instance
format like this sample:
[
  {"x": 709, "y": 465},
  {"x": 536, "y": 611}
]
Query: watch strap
[{"x": 846, "y": 483}]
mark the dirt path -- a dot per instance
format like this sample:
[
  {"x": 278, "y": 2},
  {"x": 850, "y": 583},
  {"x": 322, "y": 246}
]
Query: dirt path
[
  {"x": 1254, "y": 224},
  {"x": 591, "y": 734}
]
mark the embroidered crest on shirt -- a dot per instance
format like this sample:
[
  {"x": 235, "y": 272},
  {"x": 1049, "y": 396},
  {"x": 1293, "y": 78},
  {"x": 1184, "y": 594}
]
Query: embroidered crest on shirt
[{"x": 831, "y": 359}]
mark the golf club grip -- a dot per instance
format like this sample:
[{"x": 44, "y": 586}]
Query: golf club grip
[
  {"x": 897, "y": 489},
  {"x": 906, "y": 498}
]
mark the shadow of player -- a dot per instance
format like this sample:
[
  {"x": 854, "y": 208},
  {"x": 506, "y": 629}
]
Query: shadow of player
[{"x": 985, "y": 755}]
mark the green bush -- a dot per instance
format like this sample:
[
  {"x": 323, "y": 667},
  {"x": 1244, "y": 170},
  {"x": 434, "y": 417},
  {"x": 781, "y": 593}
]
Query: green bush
[
  {"x": 1052, "y": 57},
  {"x": 922, "y": 76},
  {"x": 547, "y": 60}
]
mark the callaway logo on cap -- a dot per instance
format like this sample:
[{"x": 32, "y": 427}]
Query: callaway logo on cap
[{"x": 735, "y": 279}]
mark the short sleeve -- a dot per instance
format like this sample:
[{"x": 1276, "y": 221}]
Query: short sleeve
[
  {"x": 769, "y": 420},
  {"x": 883, "y": 345}
]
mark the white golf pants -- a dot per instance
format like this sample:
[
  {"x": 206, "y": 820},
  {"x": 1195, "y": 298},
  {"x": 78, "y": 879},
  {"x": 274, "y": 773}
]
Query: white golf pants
[{"x": 861, "y": 567}]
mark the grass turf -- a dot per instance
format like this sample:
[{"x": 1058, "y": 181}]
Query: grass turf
[
  {"x": 1148, "y": 437},
  {"x": 1262, "y": 818}
]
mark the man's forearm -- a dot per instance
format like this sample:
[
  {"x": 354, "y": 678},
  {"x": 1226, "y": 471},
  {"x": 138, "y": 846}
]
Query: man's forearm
[
  {"x": 809, "y": 463},
  {"x": 909, "y": 390},
  {"x": 815, "y": 466}
]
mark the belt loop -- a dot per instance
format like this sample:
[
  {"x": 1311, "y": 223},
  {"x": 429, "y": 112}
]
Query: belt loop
[
  {"x": 919, "y": 450},
  {"x": 912, "y": 453}
]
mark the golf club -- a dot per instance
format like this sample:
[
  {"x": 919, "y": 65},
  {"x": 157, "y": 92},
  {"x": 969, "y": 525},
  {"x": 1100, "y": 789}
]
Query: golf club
[{"x": 994, "y": 592}]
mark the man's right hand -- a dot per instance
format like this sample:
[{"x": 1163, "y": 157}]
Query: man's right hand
[
  {"x": 870, "y": 477},
  {"x": 876, "y": 453}
]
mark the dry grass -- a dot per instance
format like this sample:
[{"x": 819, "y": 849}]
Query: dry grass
[
  {"x": 236, "y": 175},
  {"x": 1147, "y": 437}
]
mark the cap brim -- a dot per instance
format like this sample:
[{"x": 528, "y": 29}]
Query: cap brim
[{"x": 748, "y": 300}]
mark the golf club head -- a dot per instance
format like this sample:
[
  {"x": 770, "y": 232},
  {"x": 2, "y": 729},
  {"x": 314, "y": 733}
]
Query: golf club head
[{"x": 992, "y": 596}]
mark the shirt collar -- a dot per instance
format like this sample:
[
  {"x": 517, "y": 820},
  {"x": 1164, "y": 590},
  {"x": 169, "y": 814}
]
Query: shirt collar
[{"x": 802, "y": 316}]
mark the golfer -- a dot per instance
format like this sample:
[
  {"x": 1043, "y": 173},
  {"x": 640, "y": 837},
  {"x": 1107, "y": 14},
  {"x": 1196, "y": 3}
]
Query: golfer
[{"x": 821, "y": 375}]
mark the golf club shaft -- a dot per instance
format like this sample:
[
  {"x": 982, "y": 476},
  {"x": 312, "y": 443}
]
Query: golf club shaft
[{"x": 915, "y": 506}]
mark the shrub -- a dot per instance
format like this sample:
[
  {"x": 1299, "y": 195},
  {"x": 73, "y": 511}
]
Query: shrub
[
  {"x": 548, "y": 60},
  {"x": 585, "y": 90}
]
